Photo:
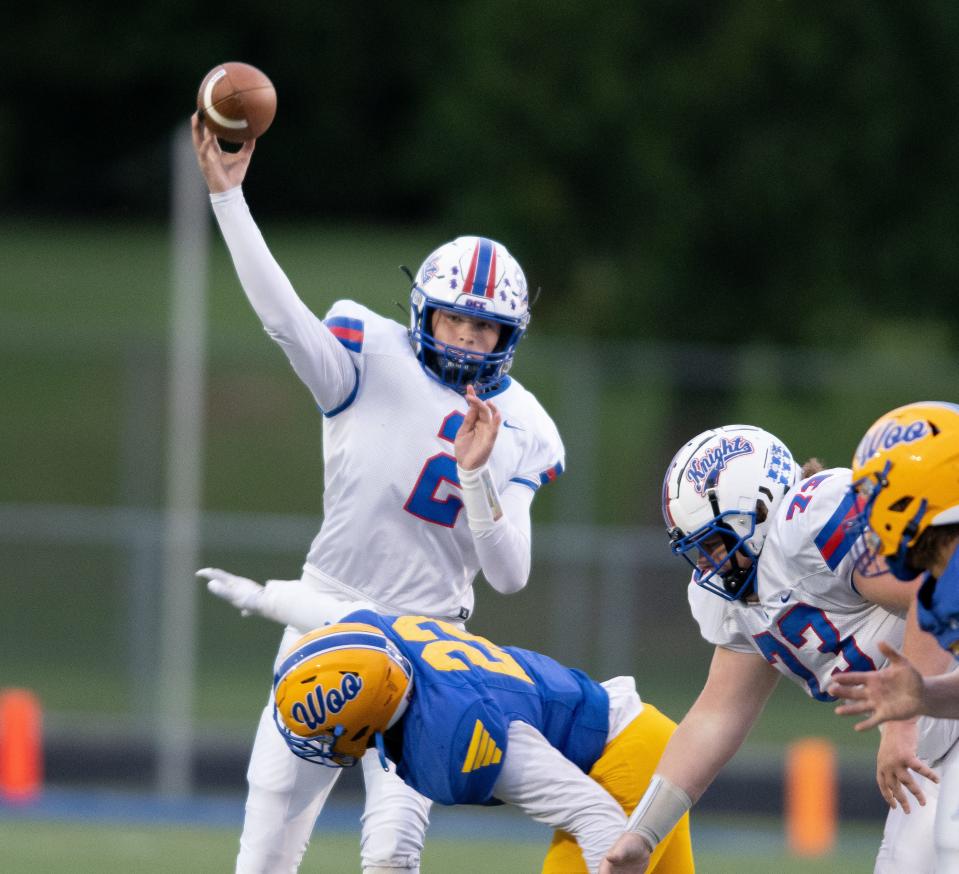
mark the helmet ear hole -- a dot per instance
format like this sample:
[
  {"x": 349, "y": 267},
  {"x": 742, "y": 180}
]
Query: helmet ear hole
[{"x": 762, "y": 512}]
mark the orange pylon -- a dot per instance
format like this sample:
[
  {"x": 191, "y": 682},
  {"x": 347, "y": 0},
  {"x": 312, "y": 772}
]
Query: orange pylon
[
  {"x": 811, "y": 801},
  {"x": 21, "y": 745}
]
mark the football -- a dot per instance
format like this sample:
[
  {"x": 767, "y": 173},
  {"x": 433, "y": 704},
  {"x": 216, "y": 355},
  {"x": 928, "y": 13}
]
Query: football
[{"x": 236, "y": 101}]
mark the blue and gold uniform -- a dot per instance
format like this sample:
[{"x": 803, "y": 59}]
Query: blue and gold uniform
[
  {"x": 468, "y": 722},
  {"x": 467, "y": 691}
]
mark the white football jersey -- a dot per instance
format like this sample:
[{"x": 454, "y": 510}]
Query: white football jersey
[
  {"x": 394, "y": 527},
  {"x": 809, "y": 621}
]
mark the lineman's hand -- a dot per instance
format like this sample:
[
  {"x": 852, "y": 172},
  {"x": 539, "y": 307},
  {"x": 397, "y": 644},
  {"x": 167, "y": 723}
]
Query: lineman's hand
[
  {"x": 895, "y": 763},
  {"x": 242, "y": 593},
  {"x": 476, "y": 436},
  {"x": 895, "y": 692},
  {"x": 222, "y": 170},
  {"x": 888, "y": 695},
  {"x": 629, "y": 855}
]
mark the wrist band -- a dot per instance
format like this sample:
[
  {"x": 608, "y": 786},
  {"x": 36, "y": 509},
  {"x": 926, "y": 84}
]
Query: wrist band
[
  {"x": 658, "y": 810},
  {"x": 480, "y": 497}
]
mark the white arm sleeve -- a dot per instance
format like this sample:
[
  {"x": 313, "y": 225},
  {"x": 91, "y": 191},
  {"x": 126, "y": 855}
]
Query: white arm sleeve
[
  {"x": 293, "y": 602},
  {"x": 503, "y": 547},
  {"x": 544, "y": 784},
  {"x": 318, "y": 358}
]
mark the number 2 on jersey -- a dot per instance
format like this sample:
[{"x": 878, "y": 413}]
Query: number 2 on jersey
[{"x": 438, "y": 469}]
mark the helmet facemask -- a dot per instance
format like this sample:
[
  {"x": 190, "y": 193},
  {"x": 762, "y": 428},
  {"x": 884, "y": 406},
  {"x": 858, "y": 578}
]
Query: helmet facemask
[
  {"x": 455, "y": 366},
  {"x": 868, "y": 551},
  {"x": 719, "y": 570},
  {"x": 320, "y": 749}
]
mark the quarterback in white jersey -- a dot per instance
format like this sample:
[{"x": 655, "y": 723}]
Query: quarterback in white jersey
[
  {"x": 775, "y": 589},
  {"x": 392, "y": 526},
  {"x": 432, "y": 455}
]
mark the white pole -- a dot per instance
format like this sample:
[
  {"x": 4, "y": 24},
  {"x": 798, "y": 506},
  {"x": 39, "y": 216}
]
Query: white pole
[{"x": 184, "y": 471}]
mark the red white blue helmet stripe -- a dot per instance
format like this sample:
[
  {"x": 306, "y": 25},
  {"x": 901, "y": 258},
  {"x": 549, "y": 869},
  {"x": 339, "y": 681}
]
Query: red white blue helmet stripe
[{"x": 481, "y": 276}]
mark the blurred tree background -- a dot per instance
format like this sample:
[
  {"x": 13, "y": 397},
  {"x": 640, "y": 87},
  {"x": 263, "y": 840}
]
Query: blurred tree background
[{"x": 744, "y": 170}]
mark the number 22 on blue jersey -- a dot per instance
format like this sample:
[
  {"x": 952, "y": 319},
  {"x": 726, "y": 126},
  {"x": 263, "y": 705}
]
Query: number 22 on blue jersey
[{"x": 449, "y": 648}]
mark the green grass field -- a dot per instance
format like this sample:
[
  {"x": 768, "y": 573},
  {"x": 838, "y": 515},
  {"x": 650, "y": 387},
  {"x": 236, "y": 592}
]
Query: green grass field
[{"x": 54, "y": 848}]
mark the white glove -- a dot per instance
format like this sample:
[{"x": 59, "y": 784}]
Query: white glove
[
  {"x": 289, "y": 602},
  {"x": 242, "y": 593}
]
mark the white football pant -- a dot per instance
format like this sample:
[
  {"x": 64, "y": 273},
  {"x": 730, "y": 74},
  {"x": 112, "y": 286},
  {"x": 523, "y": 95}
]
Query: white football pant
[
  {"x": 947, "y": 816},
  {"x": 907, "y": 843}
]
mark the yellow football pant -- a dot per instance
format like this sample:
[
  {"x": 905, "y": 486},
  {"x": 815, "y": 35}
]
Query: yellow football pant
[{"x": 624, "y": 770}]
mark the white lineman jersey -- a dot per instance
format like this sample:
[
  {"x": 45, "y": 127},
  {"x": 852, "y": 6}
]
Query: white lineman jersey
[
  {"x": 809, "y": 621},
  {"x": 394, "y": 527}
]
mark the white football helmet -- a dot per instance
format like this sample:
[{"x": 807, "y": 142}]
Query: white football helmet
[
  {"x": 725, "y": 483},
  {"x": 476, "y": 277}
]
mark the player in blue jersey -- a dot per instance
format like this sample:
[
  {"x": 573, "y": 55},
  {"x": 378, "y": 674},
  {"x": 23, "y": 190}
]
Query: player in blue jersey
[
  {"x": 466, "y": 721},
  {"x": 422, "y": 487},
  {"x": 906, "y": 471},
  {"x": 775, "y": 589}
]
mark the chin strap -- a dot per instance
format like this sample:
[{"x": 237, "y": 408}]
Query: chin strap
[
  {"x": 736, "y": 580},
  {"x": 381, "y": 749}
]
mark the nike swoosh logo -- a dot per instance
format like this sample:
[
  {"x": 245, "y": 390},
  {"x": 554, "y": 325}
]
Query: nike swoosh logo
[
  {"x": 507, "y": 424},
  {"x": 785, "y": 596}
]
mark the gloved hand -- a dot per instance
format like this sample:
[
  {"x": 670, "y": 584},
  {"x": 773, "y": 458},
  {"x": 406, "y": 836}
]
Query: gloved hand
[{"x": 242, "y": 593}]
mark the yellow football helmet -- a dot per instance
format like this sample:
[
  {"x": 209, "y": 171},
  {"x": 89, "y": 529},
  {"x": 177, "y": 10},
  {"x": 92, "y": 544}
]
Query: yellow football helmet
[
  {"x": 906, "y": 475},
  {"x": 337, "y": 689}
]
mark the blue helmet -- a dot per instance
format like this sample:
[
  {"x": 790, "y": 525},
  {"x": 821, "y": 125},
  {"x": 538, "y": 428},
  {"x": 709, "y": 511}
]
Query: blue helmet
[{"x": 475, "y": 277}]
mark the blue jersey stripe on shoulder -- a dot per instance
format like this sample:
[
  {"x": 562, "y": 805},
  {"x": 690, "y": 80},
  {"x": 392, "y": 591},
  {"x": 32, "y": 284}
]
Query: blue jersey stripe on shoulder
[
  {"x": 836, "y": 539},
  {"x": 348, "y": 331}
]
